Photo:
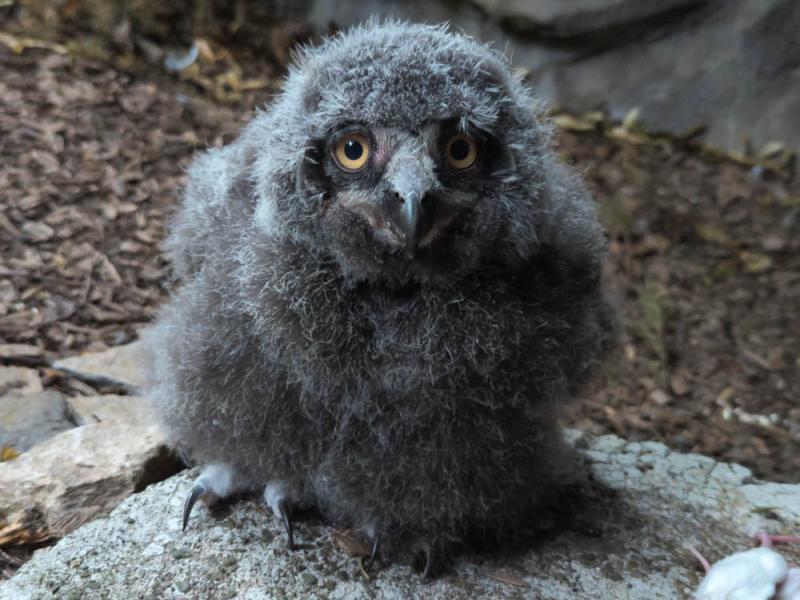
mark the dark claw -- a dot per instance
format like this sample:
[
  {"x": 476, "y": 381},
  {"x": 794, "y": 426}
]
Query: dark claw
[
  {"x": 426, "y": 573},
  {"x": 198, "y": 490},
  {"x": 375, "y": 544},
  {"x": 287, "y": 522}
]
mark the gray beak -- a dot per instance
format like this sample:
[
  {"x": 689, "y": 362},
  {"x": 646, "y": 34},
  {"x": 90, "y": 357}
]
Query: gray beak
[
  {"x": 408, "y": 222},
  {"x": 405, "y": 208}
]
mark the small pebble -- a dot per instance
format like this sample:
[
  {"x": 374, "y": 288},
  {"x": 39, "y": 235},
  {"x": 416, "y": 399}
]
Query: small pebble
[
  {"x": 229, "y": 560},
  {"x": 180, "y": 553}
]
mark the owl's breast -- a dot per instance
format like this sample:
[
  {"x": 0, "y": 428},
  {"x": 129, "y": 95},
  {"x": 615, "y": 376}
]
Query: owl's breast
[{"x": 423, "y": 347}]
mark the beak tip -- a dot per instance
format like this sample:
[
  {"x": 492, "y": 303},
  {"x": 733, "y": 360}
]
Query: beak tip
[{"x": 409, "y": 217}]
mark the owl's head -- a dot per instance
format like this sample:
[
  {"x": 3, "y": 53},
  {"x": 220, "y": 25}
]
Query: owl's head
[{"x": 405, "y": 153}]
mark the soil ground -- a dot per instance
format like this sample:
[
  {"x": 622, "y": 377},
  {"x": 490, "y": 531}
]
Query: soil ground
[{"x": 704, "y": 256}]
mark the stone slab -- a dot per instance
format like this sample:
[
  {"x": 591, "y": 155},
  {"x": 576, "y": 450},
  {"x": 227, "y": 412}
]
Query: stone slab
[
  {"x": 112, "y": 408},
  {"x": 27, "y": 419},
  {"x": 118, "y": 365},
  {"x": 621, "y": 532},
  {"x": 81, "y": 473},
  {"x": 19, "y": 379}
]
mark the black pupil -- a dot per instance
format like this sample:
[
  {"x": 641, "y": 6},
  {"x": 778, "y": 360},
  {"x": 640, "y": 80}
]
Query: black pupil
[
  {"x": 459, "y": 150},
  {"x": 353, "y": 149}
]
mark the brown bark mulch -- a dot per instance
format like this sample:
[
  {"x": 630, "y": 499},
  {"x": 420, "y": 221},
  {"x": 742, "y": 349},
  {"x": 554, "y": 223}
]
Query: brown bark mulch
[{"x": 704, "y": 258}]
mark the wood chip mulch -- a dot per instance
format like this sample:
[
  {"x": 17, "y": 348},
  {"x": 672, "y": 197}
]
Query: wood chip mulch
[{"x": 704, "y": 254}]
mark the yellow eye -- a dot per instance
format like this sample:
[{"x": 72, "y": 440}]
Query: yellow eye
[
  {"x": 461, "y": 151},
  {"x": 351, "y": 152}
]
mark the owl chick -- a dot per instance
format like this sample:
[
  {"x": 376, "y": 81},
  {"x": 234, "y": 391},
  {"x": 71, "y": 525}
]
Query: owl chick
[{"x": 389, "y": 284}]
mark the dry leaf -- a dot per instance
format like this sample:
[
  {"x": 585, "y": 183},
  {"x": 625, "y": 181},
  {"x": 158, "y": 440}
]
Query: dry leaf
[
  {"x": 625, "y": 135},
  {"x": 755, "y": 262},
  {"x": 18, "y": 45},
  {"x": 571, "y": 123},
  {"x": 509, "y": 579},
  {"x": 350, "y": 542},
  {"x": 712, "y": 235},
  {"x": 253, "y": 84},
  {"x": 8, "y": 453},
  {"x": 204, "y": 49},
  {"x": 631, "y": 120},
  {"x": 771, "y": 150}
]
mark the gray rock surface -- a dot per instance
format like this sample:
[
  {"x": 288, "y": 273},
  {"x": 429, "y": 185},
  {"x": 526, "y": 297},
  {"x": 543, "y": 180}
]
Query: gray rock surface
[
  {"x": 619, "y": 531},
  {"x": 731, "y": 65},
  {"x": 82, "y": 473},
  {"x": 19, "y": 379},
  {"x": 111, "y": 408},
  {"x": 29, "y": 418},
  {"x": 556, "y": 18},
  {"x": 118, "y": 365}
]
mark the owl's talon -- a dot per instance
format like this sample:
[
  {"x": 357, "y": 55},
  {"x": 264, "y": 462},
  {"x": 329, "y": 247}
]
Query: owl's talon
[
  {"x": 283, "y": 513},
  {"x": 426, "y": 572},
  {"x": 215, "y": 482},
  {"x": 201, "y": 491},
  {"x": 198, "y": 490},
  {"x": 277, "y": 498},
  {"x": 375, "y": 545}
]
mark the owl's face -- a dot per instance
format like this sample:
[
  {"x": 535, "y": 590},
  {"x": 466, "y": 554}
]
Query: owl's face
[
  {"x": 416, "y": 155},
  {"x": 406, "y": 202}
]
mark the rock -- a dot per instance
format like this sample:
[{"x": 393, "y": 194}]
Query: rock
[
  {"x": 620, "y": 531},
  {"x": 117, "y": 366},
  {"x": 730, "y": 67},
  {"x": 83, "y": 473},
  {"x": 556, "y": 18},
  {"x": 37, "y": 232},
  {"x": 111, "y": 408},
  {"x": 20, "y": 379},
  {"x": 29, "y": 418},
  {"x": 21, "y": 353},
  {"x": 745, "y": 84}
]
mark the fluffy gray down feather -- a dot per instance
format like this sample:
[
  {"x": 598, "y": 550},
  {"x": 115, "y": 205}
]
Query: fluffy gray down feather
[{"x": 405, "y": 398}]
